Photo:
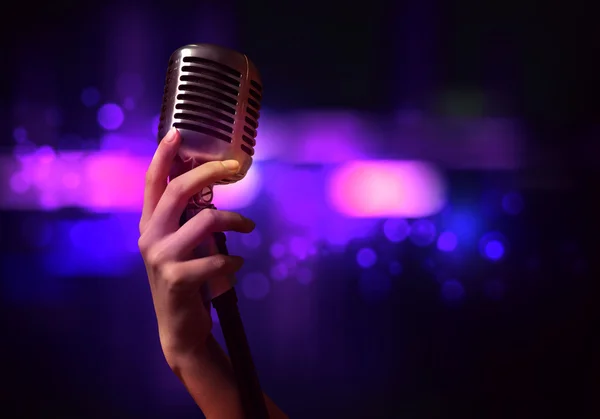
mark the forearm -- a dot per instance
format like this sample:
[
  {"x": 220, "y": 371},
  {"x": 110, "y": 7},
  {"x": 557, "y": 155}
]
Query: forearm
[{"x": 209, "y": 378}]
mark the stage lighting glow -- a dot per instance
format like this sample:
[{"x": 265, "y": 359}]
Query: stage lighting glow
[
  {"x": 255, "y": 286},
  {"x": 512, "y": 203},
  {"x": 447, "y": 241},
  {"x": 279, "y": 271},
  {"x": 277, "y": 250},
  {"x": 453, "y": 291},
  {"x": 20, "y": 134},
  {"x": 422, "y": 233},
  {"x": 492, "y": 246},
  {"x": 366, "y": 257},
  {"x": 299, "y": 247},
  {"x": 110, "y": 116},
  {"x": 377, "y": 189},
  {"x": 374, "y": 285},
  {"x": 90, "y": 96},
  {"x": 19, "y": 184},
  {"x": 396, "y": 229}
]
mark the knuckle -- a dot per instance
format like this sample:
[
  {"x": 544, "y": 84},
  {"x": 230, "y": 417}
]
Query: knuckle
[
  {"x": 177, "y": 189},
  {"x": 155, "y": 258},
  {"x": 143, "y": 243},
  {"x": 219, "y": 262},
  {"x": 210, "y": 217},
  {"x": 171, "y": 274}
]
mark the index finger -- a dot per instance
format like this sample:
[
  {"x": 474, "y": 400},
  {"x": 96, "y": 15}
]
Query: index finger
[
  {"x": 177, "y": 194},
  {"x": 157, "y": 174}
]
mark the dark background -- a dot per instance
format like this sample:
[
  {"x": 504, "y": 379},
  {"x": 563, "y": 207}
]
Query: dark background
[{"x": 533, "y": 353}]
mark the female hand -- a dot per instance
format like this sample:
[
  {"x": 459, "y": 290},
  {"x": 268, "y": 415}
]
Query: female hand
[{"x": 176, "y": 278}]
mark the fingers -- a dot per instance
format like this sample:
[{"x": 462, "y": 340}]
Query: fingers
[
  {"x": 208, "y": 221},
  {"x": 190, "y": 275},
  {"x": 158, "y": 171},
  {"x": 182, "y": 188}
]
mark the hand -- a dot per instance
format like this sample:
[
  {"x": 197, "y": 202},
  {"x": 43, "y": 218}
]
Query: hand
[{"x": 184, "y": 322}]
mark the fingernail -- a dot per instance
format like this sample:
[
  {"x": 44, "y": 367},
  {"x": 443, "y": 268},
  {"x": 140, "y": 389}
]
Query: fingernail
[
  {"x": 231, "y": 165},
  {"x": 171, "y": 135}
]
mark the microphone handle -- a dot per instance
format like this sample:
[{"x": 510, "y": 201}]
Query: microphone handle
[{"x": 226, "y": 305}]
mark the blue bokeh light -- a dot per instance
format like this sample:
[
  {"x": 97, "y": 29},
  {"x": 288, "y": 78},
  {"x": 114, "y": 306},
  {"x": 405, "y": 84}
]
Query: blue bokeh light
[
  {"x": 492, "y": 246},
  {"x": 366, "y": 257}
]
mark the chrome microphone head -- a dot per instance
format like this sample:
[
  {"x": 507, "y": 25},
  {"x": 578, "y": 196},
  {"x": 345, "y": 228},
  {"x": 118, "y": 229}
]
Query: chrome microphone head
[{"x": 212, "y": 96}]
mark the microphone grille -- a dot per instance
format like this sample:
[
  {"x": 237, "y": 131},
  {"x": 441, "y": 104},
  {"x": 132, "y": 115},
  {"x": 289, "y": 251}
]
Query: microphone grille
[{"x": 213, "y": 94}]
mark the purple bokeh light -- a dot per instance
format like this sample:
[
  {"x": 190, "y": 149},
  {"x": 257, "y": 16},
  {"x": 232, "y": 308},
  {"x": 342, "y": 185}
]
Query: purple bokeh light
[
  {"x": 366, "y": 257},
  {"x": 279, "y": 271},
  {"x": 110, "y": 116},
  {"x": 447, "y": 241},
  {"x": 396, "y": 229}
]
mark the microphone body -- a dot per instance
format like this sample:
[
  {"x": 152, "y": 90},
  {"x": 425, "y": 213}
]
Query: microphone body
[{"x": 212, "y": 96}]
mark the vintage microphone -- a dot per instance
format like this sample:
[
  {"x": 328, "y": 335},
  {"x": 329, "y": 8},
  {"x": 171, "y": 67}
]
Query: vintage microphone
[{"x": 212, "y": 96}]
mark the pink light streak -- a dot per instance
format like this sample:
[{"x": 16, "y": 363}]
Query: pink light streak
[{"x": 376, "y": 189}]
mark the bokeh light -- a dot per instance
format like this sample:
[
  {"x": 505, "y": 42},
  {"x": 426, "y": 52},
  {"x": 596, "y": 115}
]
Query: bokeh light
[
  {"x": 387, "y": 189},
  {"x": 110, "y": 116},
  {"x": 366, "y": 257},
  {"x": 447, "y": 241},
  {"x": 492, "y": 246},
  {"x": 396, "y": 229}
]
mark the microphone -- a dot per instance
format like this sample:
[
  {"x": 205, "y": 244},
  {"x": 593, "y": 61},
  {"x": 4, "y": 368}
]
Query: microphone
[{"x": 212, "y": 96}]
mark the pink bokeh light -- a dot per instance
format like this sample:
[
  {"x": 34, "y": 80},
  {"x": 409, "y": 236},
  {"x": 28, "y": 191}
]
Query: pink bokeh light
[{"x": 375, "y": 189}]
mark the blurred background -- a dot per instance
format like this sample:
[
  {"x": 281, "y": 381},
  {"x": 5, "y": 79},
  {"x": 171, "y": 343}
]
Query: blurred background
[{"x": 423, "y": 188}]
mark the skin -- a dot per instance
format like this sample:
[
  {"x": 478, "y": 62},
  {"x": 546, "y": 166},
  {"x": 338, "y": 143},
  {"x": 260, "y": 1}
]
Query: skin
[{"x": 184, "y": 321}]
